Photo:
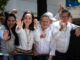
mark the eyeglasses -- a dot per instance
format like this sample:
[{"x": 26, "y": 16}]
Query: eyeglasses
[
  {"x": 11, "y": 20},
  {"x": 64, "y": 16}
]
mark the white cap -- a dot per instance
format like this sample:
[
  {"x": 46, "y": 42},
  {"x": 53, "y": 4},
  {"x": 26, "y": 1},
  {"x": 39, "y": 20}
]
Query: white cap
[{"x": 50, "y": 15}]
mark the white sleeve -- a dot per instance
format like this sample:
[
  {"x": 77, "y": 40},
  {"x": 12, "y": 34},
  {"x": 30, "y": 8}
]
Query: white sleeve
[
  {"x": 73, "y": 26},
  {"x": 57, "y": 17},
  {"x": 55, "y": 35},
  {"x": 19, "y": 31},
  {"x": 36, "y": 35},
  {"x": 1, "y": 34},
  {"x": 52, "y": 46}
]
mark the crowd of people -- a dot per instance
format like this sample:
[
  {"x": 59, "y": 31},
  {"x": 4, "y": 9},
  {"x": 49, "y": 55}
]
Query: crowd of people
[{"x": 50, "y": 38}]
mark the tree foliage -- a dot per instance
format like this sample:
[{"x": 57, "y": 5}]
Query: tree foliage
[{"x": 3, "y": 4}]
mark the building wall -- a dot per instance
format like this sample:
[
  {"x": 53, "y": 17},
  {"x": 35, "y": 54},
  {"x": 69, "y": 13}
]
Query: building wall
[
  {"x": 52, "y": 5},
  {"x": 22, "y": 5}
]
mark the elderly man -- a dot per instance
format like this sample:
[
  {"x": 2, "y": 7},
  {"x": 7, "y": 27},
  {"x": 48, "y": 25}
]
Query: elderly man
[{"x": 44, "y": 48}]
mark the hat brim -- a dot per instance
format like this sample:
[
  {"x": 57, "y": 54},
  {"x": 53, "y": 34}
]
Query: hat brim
[{"x": 53, "y": 19}]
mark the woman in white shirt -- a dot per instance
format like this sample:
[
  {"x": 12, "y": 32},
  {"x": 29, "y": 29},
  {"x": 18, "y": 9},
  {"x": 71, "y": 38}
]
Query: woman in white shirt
[{"x": 28, "y": 34}]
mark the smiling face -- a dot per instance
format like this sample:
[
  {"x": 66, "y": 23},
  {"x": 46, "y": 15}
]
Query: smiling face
[
  {"x": 64, "y": 17},
  {"x": 27, "y": 19},
  {"x": 11, "y": 21},
  {"x": 45, "y": 22}
]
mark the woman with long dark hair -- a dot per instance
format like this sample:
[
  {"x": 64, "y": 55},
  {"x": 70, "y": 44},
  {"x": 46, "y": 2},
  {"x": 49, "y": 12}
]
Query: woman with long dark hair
[
  {"x": 10, "y": 44},
  {"x": 27, "y": 36}
]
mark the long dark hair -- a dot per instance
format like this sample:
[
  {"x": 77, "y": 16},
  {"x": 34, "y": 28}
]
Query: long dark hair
[
  {"x": 31, "y": 26},
  {"x": 4, "y": 14},
  {"x": 13, "y": 30}
]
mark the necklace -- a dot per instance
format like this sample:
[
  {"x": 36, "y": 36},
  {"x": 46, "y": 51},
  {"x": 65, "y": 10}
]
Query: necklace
[{"x": 28, "y": 37}]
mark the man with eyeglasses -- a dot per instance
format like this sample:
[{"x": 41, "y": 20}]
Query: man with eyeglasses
[{"x": 61, "y": 34}]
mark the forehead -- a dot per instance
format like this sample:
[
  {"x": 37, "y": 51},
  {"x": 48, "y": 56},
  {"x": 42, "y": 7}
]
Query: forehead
[
  {"x": 11, "y": 17},
  {"x": 78, "y": 28},
  {"x": 28, "y": 15},
  {"x": 65, "y": 14},
  {"x": 45, "y": 18}
]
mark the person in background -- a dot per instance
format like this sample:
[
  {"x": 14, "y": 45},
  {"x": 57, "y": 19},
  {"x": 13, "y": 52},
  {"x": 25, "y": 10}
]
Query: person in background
[
  {"x": 36, "y": 23},
  {"x": 3, "y": 32},
  {"x": 3, "y": 36},
  {"x": 73, "y": 52},
  {"x": 9, "y": 45},
  {"x": 3, "y": 18}
]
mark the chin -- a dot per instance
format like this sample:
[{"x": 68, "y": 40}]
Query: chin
[{"x": 46, "y": 27}]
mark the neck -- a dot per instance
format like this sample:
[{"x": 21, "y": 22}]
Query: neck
[
  {"x": 10, "y": 28},
  {"x": 27, "y": 26},
  {"x": 43, "y": 29}
]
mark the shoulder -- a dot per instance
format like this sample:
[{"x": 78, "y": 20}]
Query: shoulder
[
  {"x": 2, "y": 27},
  {"x": 55, "y": 25}
]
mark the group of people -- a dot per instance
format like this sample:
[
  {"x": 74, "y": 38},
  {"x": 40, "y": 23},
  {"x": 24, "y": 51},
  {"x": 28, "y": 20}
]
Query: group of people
[{"x": 50, "y": 38}]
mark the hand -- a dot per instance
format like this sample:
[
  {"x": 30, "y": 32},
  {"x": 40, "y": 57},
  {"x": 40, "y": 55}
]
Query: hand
[
  {"x": 35, "y": 53},
  {"x": 61, "y": 9},
  {"x": 77, "y": 32},
  {"x": 19, "y": 23},
  {"x": 43, "y": 35},
  {"x": 50, "y": 57},
  {"x": 6, "y": 35},
  {"x": 14, "y": 52},
  {"x": 36, "y": 22},
  {"x": 63, "y": 25}
]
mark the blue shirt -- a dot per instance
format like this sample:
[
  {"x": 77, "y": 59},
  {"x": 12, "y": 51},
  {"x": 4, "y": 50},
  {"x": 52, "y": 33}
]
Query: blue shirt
[{"x": 1, "y": 34}]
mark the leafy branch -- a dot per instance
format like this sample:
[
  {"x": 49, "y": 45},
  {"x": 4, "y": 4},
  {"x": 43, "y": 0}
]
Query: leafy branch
[{"x": 3, "y": 4}]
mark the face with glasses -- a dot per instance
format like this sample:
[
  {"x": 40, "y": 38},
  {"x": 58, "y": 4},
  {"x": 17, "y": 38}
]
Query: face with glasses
[
  {"x": 11, "y": 21},
  {"x": 27, "y": 19},
  {"x": 64, "y": 17}
]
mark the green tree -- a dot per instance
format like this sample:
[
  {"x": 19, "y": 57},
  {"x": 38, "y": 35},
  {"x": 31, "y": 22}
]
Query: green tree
[{"x": 3, "y": 4}]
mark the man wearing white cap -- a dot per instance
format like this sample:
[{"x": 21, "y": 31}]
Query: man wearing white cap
[
  {"x": 51, "y": 16},
  {"x": 44, "y": 49}
]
